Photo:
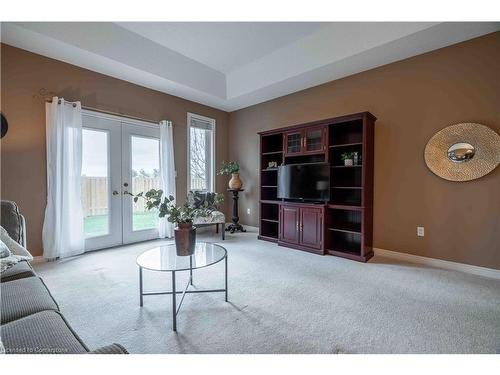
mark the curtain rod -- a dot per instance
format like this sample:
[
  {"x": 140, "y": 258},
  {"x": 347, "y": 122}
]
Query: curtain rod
[{"x": 104, "y": 111}]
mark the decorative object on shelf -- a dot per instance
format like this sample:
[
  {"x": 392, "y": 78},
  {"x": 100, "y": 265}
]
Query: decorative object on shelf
[
  {"x": 355, "y": 158},
  {"x": 5, "y": 125},
  {"x": 183, "y": 216},
  {"x": 272, "y": 164},
  {"x": 347, "y": 158},
  {"x": 235, "y": 225},
  {"x": 463, "y": 152},
  {"x": 232, "y": 168}
]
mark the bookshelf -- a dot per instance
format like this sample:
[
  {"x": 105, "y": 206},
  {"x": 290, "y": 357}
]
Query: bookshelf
[
  {"x": 271, "y": 151},
  {"x": 347, "y": 219}
]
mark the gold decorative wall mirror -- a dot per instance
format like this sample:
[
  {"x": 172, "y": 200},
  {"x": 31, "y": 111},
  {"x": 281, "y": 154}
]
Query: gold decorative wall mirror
[{"x": 463, "y": 152}]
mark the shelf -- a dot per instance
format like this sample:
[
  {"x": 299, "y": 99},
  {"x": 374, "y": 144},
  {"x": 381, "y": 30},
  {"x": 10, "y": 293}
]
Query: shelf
[
  {"x": 345, "y": 207},
  {"x": 346, "y": 166},
  {"x": 267, "y": 238},
  {"x": 347, "y": 254},
  {"x": 269, "y": 186},
  {"x": 344, "y": 251},
  {"x": 354, "y": 231},
  {"x": 269, "y": 229},
  {"x": 269, "y": 201},
  {"x": 272, "y": 153},
  {"x": 269, "y": 169},
  {"x": 346, "y": 144},
  {"x": 346, "y": 187},
  {"x": 270, "y": 220}
]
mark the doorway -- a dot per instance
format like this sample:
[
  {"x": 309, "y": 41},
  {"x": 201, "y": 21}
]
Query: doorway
[{"x": 119, "y": 156}]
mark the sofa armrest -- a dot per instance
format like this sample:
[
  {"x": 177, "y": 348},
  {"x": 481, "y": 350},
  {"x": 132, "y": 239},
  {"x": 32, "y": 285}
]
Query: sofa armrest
[
  {"x": 23, "y": 238},
  {"x": 110, "y": 349}
]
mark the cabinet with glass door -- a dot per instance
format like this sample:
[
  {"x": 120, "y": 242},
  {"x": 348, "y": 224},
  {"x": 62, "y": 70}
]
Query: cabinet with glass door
[{"x": 305, "y": 141}]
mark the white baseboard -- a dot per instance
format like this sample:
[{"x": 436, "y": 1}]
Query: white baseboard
[
  {"x": 439, "y": 263},
  {"x": 38, "y": 259}
]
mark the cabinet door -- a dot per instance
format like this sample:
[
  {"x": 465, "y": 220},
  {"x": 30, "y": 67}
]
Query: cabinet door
[
  {"x": 289, "y": 221},
  {"x": 314, "y": 140},
  {"x": 311, "y": 227},
  {"x": 293, "y": 142}
]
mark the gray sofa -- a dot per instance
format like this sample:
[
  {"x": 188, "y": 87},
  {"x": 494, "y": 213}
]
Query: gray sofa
[{"x": 31, "y": 322}]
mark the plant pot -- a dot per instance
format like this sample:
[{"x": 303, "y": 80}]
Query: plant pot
[
  {"x": 185, "y": 239},
  {"x": 348, "y": 162},
  {"x": 235, "y": 181}
]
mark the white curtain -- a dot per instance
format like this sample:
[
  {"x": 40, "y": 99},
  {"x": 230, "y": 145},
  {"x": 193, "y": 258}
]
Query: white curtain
[
  {"x": 63, "y": 225},
  {"x": 167, "y": 172}
]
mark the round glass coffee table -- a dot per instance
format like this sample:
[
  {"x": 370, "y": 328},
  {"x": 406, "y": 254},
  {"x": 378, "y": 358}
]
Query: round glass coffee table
[{"x": 165, "y": 259}]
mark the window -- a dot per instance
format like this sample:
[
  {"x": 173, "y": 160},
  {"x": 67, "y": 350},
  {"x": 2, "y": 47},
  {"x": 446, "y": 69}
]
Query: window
[{"x": 201, "y": 140}]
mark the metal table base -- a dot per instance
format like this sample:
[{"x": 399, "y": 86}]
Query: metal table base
[{"x": 174, "y": 291}]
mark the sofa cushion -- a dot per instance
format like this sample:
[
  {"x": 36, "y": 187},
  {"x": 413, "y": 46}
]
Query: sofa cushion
[
  {"x": 23, "y": 297},
  {"x": 11, "y": 220},
  {"x": 19, "y": 271},
  {"x": 45, "y": 332}
]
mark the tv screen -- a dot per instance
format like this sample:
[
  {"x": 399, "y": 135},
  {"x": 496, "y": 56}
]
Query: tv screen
[{"x": 309, "y": 182}]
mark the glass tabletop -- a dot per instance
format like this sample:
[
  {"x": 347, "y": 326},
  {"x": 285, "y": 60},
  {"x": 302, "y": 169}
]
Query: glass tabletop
[{"x": 165, "y": 258}]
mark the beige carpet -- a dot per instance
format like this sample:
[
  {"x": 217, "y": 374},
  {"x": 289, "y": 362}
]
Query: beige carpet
[{"x": 281, "y": 301}]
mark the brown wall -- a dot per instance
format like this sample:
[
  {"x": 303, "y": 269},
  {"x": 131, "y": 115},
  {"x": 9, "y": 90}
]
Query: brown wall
[
  {"x": 412, "y": 100},
  {"x": 23, "y": 156}
]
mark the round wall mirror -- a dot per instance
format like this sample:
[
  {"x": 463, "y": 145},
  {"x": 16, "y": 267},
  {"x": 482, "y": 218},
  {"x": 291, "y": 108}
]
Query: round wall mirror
[{"x": 461, "y": 152}]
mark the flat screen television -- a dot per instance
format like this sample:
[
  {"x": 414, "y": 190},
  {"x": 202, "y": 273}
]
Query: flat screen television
[{"x": 308, "y": 182}]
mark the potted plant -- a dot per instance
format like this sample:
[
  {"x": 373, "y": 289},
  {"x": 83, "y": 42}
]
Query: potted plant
[
  {"x": 232, "y": 168},
  {"x": 347, "y": 157},
  {"x": 182, "y": 216}
]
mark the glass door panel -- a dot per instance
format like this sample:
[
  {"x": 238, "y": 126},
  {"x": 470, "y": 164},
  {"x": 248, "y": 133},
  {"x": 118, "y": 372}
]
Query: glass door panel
[
  {"x": 314, "y": 140},
  {"x": 140, "y": 173},
  {"x": 95, "y": 182},
  {"x": 145, "y": 154},
  {"x": 100, "y": 181},
  {"x": 293, "y": 142}
]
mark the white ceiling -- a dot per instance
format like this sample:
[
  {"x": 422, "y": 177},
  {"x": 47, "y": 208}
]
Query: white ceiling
[
  {"x": 234, "y": 65},
  {"x": 223, "y": 46}
]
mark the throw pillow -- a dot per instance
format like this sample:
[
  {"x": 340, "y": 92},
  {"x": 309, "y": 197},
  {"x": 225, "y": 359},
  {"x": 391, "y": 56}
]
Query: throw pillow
[
  {"x": 7, "y": 260},
  {"x": 14, "y": 247},
  {"x": 11, "y": 252},
  {"x": 4, "y": 250}
]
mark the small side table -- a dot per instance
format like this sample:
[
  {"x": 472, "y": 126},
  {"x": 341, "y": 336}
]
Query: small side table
[{"x": 235, "y": 225}]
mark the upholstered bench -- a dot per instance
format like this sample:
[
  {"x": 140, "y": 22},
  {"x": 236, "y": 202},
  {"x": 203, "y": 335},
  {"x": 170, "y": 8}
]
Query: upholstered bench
[{"x": 207, "y": 201}]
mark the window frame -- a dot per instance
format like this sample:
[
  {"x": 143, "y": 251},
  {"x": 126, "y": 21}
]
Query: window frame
[{"x": 190, "y": 117}]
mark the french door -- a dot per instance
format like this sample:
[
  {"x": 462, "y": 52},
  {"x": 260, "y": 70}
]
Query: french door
[{"x": 120, "y": 157}]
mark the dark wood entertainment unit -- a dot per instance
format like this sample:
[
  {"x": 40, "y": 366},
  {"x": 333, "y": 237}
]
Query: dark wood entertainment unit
[{"x": 342, "y": 226}]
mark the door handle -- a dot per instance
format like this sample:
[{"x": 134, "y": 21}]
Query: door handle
[{"x": 115, "y": 192}]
